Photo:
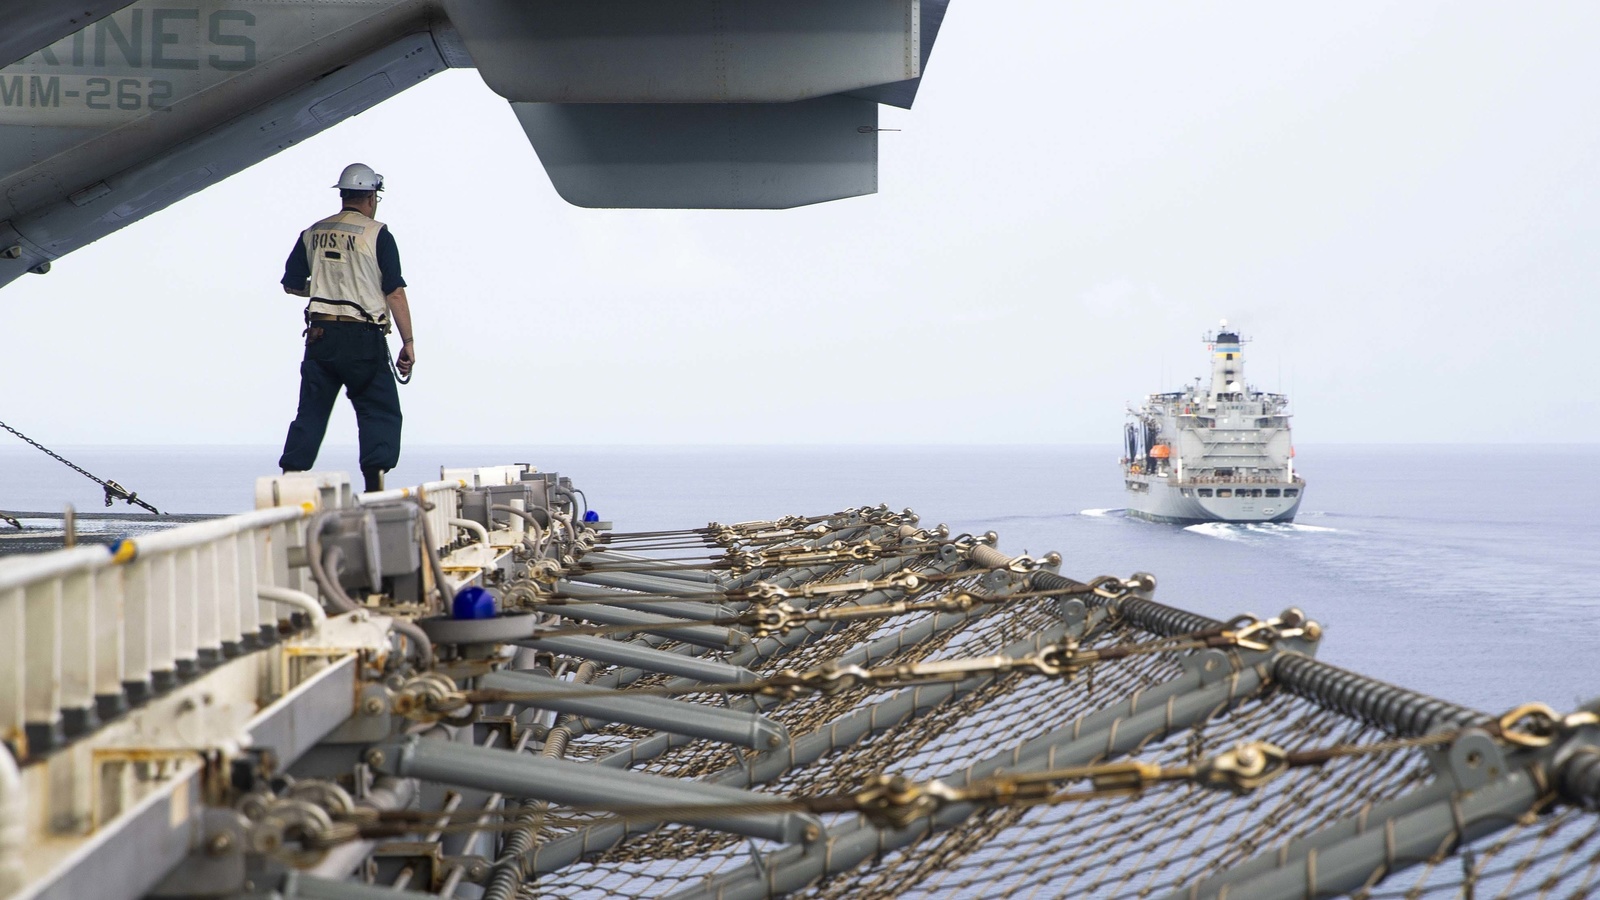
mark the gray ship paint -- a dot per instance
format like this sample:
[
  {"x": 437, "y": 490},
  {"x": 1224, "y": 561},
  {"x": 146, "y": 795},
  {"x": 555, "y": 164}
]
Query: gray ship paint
[{"x": 1219, "y": 454}]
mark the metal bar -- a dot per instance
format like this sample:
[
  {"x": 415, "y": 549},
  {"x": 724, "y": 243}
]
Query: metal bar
[
  {"x": 141, "y": 846},
  {"x": 226, "y": 598},
  {"x": 581, "y": 785},
  {"x": 295, "y": 722},
  {"x": 204, "y": 533},
  {"x": 208, "y": 626},
  {"x": 244, "y": 582},
  {"x": 186, "y": 637},
  {"x": 660, "y": 568},
  {"x": 709, "y": 636},
  {"x": 729, "y": 726},
  {"x": 163, "y": 598},
  {"x": 20, "y": 571},
  {"x": 13, "y": 667},
  {"x": 628, "y": 653},
  {"x": 78, "y": 650},
  {"x": 136, "y": 631},
  {"x": 436, "y": 488},
  {"x": 631, "y": 581},
  {"x": 110, "y": 626},
  {"x": 688, "y": 609},
  {"x": 1417, "y": 836},
  {"x": 1296, "y": 852},
  {"x": 42, "y": 663}
]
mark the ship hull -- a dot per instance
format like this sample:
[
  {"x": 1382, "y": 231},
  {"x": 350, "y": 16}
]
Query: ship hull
[{"x": 1156, "y": 499}]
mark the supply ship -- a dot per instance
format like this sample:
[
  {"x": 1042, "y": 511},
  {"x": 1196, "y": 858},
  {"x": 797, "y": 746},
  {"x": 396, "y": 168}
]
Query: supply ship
[{"x": 1219, "y": 454}]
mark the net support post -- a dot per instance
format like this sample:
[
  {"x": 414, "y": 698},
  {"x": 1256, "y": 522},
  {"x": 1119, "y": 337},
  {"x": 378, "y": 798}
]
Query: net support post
[
  {"x": 629, "y": 653},
  {"x": 728, "y": 726},
  {"x": 581, "y": 785}
]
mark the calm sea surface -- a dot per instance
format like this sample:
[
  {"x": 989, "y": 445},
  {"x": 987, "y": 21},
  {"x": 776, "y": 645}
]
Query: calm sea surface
[{"x": 1471, "y": 573}]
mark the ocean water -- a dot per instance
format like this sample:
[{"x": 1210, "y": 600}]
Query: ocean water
[{"x": 1467, "y": 572}]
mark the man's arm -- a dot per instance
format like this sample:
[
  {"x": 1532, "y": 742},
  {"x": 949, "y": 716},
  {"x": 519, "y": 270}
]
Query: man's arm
[
  {"x": 297, "y": 270},
  {"x": 394, "y": 289},
  {"x": 400, "y": 312}
]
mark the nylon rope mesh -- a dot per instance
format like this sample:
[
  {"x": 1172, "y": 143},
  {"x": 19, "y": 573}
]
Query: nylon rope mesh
[{"x": 1154, "y": 844}]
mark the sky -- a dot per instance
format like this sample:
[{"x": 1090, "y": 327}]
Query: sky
[{"x": 1397, "y": 203}]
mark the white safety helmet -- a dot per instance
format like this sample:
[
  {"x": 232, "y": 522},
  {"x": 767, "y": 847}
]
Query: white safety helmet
[{"x": 359, "y": 177}]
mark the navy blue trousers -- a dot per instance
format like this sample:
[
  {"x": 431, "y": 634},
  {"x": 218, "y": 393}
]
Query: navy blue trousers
[{"x": 354, "y": 356}]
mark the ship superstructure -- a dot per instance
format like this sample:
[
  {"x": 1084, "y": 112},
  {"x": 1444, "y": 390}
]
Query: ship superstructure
[{"x": 1213, "y": 453}]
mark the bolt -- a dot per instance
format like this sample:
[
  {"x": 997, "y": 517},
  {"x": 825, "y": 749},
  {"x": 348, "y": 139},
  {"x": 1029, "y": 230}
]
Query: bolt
[
  {"x": 479, "y": 871},
  {"x": 220, "y": 844},
  {"x": 373, "y": 706},
  {"x": 375, "y": 757},
  {"x": 811, "y": 833}
]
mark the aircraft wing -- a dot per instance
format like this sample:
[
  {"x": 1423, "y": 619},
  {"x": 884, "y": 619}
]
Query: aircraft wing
[{"x": 108, "y": 114}]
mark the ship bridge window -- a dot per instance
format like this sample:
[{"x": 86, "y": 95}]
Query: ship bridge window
[
  {"x": 1205, "y": 492},
  {"x": 1224, "y": 492},
  {"x": 1291, "y": 492},
  {"x": 1272, "y": 492}
]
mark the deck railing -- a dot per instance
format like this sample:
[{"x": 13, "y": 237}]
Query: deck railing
[{"x": 87, "y": 631}]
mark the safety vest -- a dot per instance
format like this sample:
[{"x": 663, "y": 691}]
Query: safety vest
[{"x": 343, "y": 252}]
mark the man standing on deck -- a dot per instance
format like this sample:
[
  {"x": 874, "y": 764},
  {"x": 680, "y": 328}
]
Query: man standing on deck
[{"x": 349, "y": 267}]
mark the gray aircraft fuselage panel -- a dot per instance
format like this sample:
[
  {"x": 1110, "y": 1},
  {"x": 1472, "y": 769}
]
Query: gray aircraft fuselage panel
[
  {"x": 32, "y": 24},
  {"x": 109, "y": 114}
]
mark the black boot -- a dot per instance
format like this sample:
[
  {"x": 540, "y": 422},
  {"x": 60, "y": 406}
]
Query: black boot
[{"x": 374, "y": 479}]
